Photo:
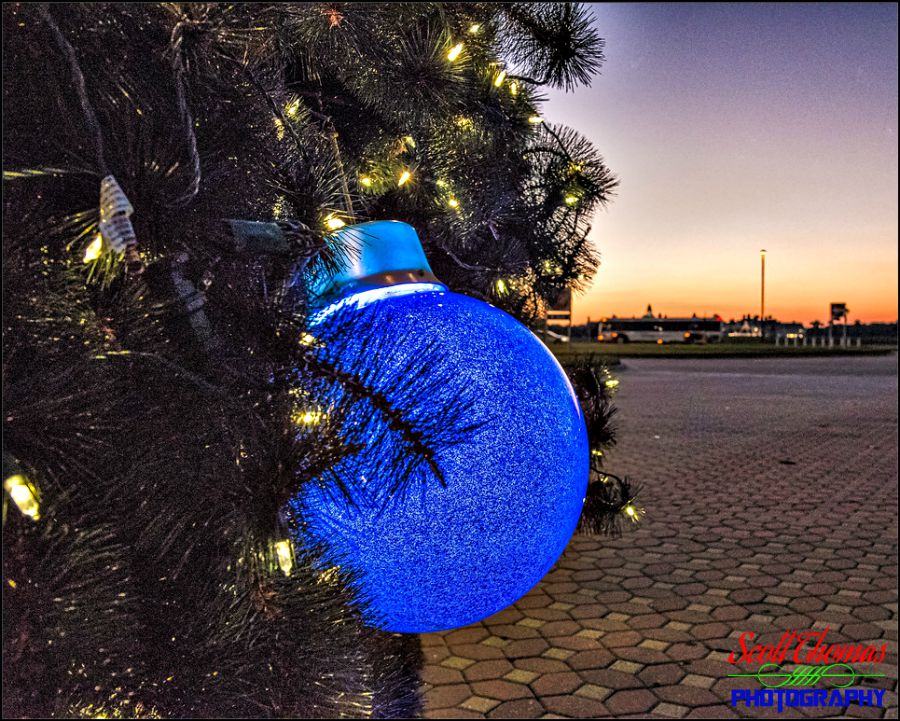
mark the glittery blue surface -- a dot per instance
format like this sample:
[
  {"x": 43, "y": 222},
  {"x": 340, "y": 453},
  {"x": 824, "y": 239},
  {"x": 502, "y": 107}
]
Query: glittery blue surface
[{"x": 444, "y": 557}]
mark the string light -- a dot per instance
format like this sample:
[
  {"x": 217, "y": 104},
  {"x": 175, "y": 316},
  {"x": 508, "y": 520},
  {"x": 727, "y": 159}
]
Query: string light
[
  {"x": 404, "y": 178},
  {"x": 455, "y": 52},
  {"x": 285, "y": 553},
  {"x": 279, "y": 207},
  {"x": 333, "y": 222},
  {"x": 513, "y": 87},
  {"x": 474, "y": 28},
  {"x": 453, "y": 203},
  {"x": 24, "y": 495},
  {"x": 307, "y": 418},
  {"x": 279, "y": 128},
  {"x": 571, "y": 199},
  {"x": 500, "y": 285},
  {"x": 366, "y": 180},
  {"x": 292, "y": 108},
  {"x": 441, "y": 183},
  {"x": 93, "y": 251},
  {"x": 632, "y": 513},
  {"x": 498, "y": 81}
]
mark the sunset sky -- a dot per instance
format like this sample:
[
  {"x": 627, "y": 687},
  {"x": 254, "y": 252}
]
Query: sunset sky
[{"x": 739, "y": 127}]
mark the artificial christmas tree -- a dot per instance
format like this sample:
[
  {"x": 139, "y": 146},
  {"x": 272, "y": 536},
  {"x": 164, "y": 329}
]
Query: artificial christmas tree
[{"x": 168, "y": 170}]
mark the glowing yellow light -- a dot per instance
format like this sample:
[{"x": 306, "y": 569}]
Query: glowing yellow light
[
  {"x": 634, "y": 514},
  {"x": 285, "y": 554},
  {"x": 498, "y": 81},
  {"x": 441, "y": 183},
  {"x": 307, "y": 418},
  {"x": 410, "y": 141},
  {"x": 474, "y": 28},
  {"x": 571, "y": 199},
  {"x": 330, "y": 575},
  {"x": 465, "y": 123},
  {"x": 404, "y": 177},
  {"x": 292, "y": 108},
  {"x": 23, "y": 494},
  {"x": 93, "y": 251},
  {"x": 514, "y": 88},
  {"x": 307, "y": 339},
  {"x": 454, "y": 52},
  {"x": 535, "y": 120},
  {"x": 12, "y": 584},
  {"x": 366, "y": 180},
  {"x": 659, "y": 341},
  {"x": 334, "y": 223},
  {"x": 453, "y": 203},
  {"x": 500, "y": 285},
  {"x": 612, "y": 383},
  {"x": 279, "y": 129},
  {"x": 596, "y": 452}
]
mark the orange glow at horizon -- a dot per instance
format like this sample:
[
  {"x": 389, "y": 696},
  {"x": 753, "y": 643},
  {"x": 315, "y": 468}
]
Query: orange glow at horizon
[{"x": 736, "y": 127}]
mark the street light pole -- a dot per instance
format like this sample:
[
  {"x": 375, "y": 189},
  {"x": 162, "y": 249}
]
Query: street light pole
[{"x": 762, "y": 300}]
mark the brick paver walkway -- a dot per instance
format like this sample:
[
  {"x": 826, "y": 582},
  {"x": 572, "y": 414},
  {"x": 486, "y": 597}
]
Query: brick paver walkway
[{"x": 771, "y": 496}]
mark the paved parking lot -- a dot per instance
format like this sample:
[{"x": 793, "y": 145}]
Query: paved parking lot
[{"x": 771, "y": 494}]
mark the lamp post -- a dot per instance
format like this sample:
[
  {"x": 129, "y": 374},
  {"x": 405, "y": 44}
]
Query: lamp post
[{"x": 762, "y": 301}]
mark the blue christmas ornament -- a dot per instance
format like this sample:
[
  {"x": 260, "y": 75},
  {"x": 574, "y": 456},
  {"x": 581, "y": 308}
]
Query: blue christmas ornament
[{"x": 442, "y": 556}]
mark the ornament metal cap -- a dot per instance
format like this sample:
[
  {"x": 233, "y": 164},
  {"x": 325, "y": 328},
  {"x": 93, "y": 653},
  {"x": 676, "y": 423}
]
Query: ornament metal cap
[{"x": 376, "y": 255}]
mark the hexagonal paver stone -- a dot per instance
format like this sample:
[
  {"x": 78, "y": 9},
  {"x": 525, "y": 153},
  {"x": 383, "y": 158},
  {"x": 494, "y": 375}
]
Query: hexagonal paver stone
[
  {"x": 554, "y": 684},
  {"x": 663, "y": 674},
  {"x": 705, "y": 631},
  {"x": 670, "y": 710},
  {"x": 466, "y": 635},
  {"x": 479, "y": 704},
  {"x": 494, "y": 668},
  {"x": 436, "y": 675},
  {"x": 621, "y": 638},
  {"x": 519, "y": 676},
  {"x": 526, "y": 648},
  {"x": 542, "y": 665},
  {"x": 446, "y": 696},
  {"x": 502, "y": 690},
  {"x": 495, "y": 641},
  {"x": 593, "y": 691},
  {"x": 683, "y": 695},
  {"x": 560, "y": 654},
  {"x": 575, "y": 706},
  {"x": 457, "y": 662},
  {"x": 599, "y": 658},
  {"x": 523, "y": 708},
  {"x": 630, "y": 702}
]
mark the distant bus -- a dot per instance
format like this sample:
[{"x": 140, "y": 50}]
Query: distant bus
[{"x": 660, "y": 330}]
